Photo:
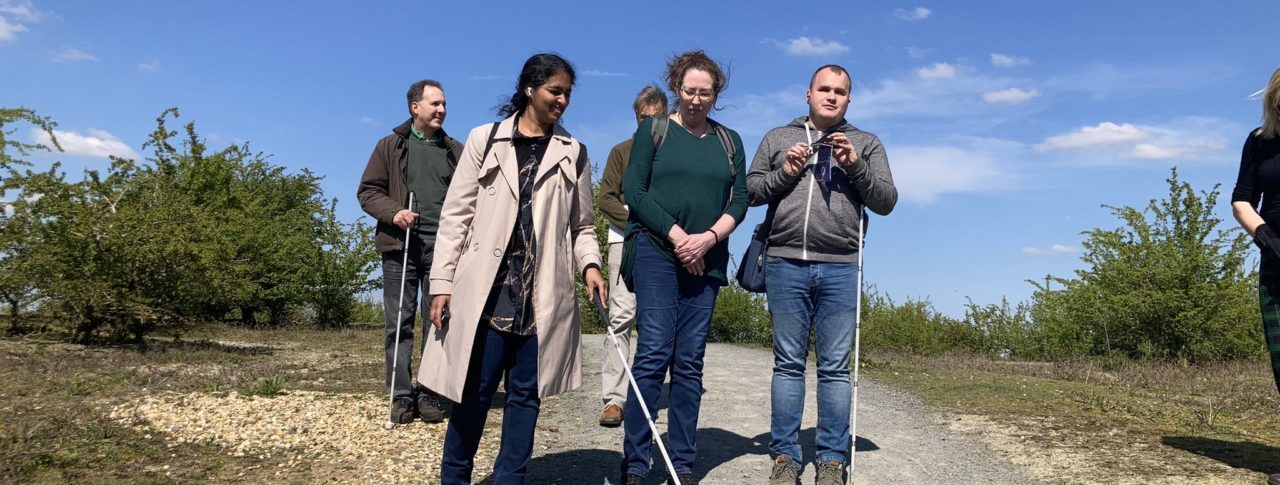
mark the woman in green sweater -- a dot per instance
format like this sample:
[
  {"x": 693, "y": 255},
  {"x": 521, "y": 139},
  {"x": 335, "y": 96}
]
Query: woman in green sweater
[{"x": 686, "y": 195}]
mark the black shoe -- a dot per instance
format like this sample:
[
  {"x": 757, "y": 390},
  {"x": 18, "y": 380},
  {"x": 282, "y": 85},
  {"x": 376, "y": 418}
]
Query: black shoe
[
  {"x": 685, "y": 479},
  {"x": 632, "y": 479},
  {"x": 402, "y": 410},
  {"x": 432, "y": 407}
]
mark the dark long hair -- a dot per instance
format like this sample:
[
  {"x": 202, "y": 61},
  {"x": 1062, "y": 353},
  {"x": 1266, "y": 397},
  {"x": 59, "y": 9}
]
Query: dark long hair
[{"x": 537, "y": 70}]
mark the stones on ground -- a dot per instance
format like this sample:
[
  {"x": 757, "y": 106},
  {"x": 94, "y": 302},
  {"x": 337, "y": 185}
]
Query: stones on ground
[{"x": 338, "y": 432}]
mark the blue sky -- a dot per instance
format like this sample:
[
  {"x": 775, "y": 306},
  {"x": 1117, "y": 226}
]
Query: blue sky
[{"x": 1007, "y": 123}]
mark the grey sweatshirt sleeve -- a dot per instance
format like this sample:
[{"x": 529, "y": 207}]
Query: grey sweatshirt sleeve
[
  {"x": 766, "y": 183},
  {"x": 872, "y": 178}
]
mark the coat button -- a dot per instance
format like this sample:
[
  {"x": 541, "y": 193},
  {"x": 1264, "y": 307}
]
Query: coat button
[
  {"x": 491, "y": 191},
  {"x": 497, "y": 253}
]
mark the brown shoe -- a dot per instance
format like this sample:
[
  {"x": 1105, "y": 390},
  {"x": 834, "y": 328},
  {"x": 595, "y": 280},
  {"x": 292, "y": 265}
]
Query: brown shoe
[{"x": 611, "y": 417}]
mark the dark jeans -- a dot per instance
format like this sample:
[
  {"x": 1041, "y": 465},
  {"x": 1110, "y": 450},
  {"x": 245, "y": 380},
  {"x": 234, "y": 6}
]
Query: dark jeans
[
  {"x": 1269, "y": 301},
  {"x": 494, "y": 355},
  {"x": 673, "y": 316},
  {"x": 420, "y": 252}
]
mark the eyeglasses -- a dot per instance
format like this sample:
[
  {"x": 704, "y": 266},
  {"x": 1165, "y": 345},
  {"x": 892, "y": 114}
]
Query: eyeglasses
[{"x": 705, "y": 94}]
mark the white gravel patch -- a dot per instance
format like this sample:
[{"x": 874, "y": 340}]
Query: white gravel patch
[{"x": 341, "y": 434}]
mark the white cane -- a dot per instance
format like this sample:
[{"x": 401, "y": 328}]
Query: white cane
[
  {"x": 653, "y": 427},
  {"x": 857, "y": 349},
  {"x": 395, "y": 353}
]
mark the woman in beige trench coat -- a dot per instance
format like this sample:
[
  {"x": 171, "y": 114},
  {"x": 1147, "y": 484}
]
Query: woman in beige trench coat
[{"x": 516, "y": 221}]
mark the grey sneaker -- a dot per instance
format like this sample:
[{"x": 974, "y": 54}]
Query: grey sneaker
[
  {"x": 632, "y": 479},
  {"x": 785, "y": 471},
  {"x": 432, "y": 407},
  {"x": 830, "y": 473},
  {"x": 402, "y": 410},
  {"x": 1273, "y": 479},
  {"x": 685, "y": 479}
]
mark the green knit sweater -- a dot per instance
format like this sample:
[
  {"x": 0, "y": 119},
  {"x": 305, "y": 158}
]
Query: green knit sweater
[{"x": 686, "y": 182}]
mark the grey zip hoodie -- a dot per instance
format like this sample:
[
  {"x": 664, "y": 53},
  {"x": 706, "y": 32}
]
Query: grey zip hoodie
[{"x": 816, "y": 221}]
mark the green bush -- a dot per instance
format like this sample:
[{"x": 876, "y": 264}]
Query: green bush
[{"x": 1166, "y": 284}]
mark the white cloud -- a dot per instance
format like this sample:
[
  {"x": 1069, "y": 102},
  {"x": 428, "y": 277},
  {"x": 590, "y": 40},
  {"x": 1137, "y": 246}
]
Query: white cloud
[
  {"x": 22, "y": 11},
  {"x": 1005, "y": 60},
  {"x": 71, "y": 54},
  {"x": 810, "y": 46},
  {"x": 917, "y": 53},
  {"x": 1050, "y": 251},
  {"x": 1010, "y": 96},
  {"x": 918, "y": 13},
  {"x": 485, "y": 77},
  {"x": 8, "y": 31},
  {"x": 964, "y": 166},
  {"x": 1151, "y": 151},
  {"x": 12, "y": 16},
  {"x": 152, "y": 66},
  {"x": 365, "y": 120},
  {"x": 1105, "y": 133},
  {"x": 1186, "y": 139},
  {"x": 97, "y": 144},
  {"x": 601, "y": 73},
  {"x": 939, "y": 70}
]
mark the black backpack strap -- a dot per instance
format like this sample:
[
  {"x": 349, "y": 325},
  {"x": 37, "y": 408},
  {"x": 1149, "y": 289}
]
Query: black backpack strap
[
  {"x": 659, "y": 130},
  {"x": 581, "y": 162},
  {"x": 489, "y": 144},
  {"x": 726, "y": 142}
]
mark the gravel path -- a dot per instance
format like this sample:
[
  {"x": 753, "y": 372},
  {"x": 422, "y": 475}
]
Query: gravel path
[{"x": 899, "y": 439}]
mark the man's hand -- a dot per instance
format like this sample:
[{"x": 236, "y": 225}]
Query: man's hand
[
  {"x": 595, "y": 284},
  {"x": 844, "y": 151},
  {"x": 404, "y": 218},
  {"x": 438, "y": 304},
  {"x": 797, "y": 156}
]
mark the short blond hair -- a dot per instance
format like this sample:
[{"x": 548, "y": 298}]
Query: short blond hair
[{"x": 1271, "y": 108}]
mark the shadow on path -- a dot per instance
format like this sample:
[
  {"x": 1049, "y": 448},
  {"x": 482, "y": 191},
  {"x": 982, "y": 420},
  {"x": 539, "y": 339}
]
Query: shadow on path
[{"x": 1237, "y": 454}]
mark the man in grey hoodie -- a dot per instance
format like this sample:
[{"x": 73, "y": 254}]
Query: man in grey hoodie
[{"x": 811, "y": 265}]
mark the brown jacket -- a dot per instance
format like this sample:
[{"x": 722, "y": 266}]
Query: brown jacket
[
  {"x": 610, "y": 199},
  {"x": 384, "y": 186},
  {"x": 476, "y": 221}
]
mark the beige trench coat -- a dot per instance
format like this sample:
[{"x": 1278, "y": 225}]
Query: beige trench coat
[{"x": 476, "y": 222}]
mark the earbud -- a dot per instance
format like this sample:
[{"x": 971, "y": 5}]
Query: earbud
[{"x": 528, "y": 92}]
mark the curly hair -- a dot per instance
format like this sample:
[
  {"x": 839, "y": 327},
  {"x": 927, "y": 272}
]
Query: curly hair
[{"x": 679, "y": 65}]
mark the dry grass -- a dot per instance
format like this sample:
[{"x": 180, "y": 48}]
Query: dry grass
[
  {"x": 1111, "y": 421},
  {"x": 56, "y": 400}
]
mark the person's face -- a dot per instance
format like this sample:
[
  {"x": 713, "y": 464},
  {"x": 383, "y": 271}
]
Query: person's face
[
  {"x": 697, "y": 94},
  {"x": 648, "y": 110},
  {"x": 548, "y": 102},
  {"x": 829, "y": 96},
  {"x": 431, "y": 108}
]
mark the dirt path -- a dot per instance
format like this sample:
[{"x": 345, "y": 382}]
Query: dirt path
[{"x": 899, "y": 439}]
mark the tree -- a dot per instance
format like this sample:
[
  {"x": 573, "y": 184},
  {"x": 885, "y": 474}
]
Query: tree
[
  {"x": 190, "y": 236},
  {"x": 1167, "y": 283}
]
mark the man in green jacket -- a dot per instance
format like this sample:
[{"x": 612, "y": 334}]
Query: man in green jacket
[
  {"x": 416, "y": 157},
  {"x": 622, "y": 303}
]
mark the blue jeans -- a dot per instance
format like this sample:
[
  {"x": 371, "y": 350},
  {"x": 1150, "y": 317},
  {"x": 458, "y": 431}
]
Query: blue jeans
[
  {"x": 803, "y": 295},
  {"x": 494, "y": 355},
  {"x": 673, "y": 317}
]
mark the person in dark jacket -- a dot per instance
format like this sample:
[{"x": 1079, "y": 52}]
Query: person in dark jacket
[
  {"x": 416, "y": 157},
  {"x": 1259, "y": 182},
  {"x": 816, "y": 224}
]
